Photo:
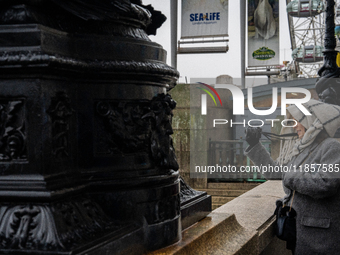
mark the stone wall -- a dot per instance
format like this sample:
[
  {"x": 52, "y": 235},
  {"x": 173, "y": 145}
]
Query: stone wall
[
  {"x": 202, "y": 132},
  {"x": 220, "y": 192},
  {"x": 181, "y": 127}
]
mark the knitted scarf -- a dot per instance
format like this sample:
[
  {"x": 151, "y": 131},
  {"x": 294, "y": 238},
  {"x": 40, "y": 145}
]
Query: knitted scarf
[{"x": 324, "y": 117}]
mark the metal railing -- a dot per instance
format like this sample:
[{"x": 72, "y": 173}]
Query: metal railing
[{"x": 229, "y": 155}]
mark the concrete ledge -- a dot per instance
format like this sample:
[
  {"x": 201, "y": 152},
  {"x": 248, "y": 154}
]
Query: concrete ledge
[
  {"x": 218, "y": 233},
  {"x": 241, "y": 226},
  {"x": 254, "y": 211}
]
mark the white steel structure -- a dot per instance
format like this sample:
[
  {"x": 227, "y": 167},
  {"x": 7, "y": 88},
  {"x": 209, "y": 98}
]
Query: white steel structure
[{"x": 307, "y": 31}]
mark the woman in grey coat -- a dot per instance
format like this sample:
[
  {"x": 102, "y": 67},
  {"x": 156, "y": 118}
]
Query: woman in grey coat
[{"x": 313, "y": 171}]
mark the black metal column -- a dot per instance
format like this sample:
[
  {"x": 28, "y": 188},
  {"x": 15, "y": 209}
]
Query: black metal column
[{"x": 328, "y": 86}]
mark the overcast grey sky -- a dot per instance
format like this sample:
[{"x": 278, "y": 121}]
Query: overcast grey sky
[{"x": 213, "y": 65}]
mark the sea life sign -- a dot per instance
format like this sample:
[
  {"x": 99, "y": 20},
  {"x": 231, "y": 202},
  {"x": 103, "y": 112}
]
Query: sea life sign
[{"x": 204, "y": 18}]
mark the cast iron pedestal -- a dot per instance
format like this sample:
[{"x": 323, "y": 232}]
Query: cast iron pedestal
[{"x": 86, "y": 158}]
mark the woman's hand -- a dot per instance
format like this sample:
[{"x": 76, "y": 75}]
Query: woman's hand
[{"x": 253, "y": 135}]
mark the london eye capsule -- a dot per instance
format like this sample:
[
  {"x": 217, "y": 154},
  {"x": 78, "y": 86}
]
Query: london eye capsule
[
  {"x": 305, "y": 8},
  {"x": 337, "y": 11},
  {"x": 308, "y": 54}
]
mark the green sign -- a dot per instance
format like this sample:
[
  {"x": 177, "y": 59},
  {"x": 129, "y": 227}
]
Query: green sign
[{"x": 263, "y": 53}]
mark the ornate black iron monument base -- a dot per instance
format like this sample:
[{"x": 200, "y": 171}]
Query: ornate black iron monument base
[{"x": 86, "y": 158}]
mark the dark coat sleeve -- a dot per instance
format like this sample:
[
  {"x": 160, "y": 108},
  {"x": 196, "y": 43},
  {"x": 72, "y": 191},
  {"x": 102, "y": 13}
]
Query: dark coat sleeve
[{"x": 261, "y": 158}]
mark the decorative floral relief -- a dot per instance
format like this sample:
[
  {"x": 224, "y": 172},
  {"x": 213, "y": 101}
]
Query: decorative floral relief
[
  {"x": 135, "y": 127},
  {"x": 28, "y": 227},
  {"x": 60, "y": 112},
  {"x": 52, "y": 227},
  {"x": 12, "y": 130}
]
